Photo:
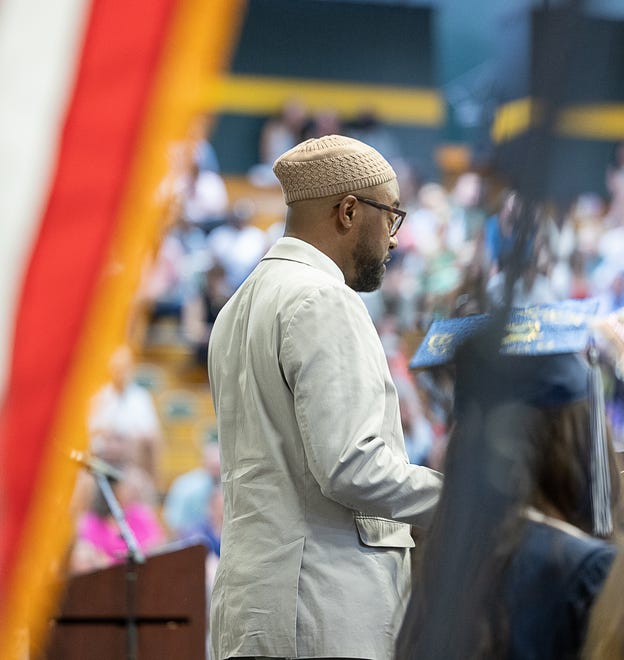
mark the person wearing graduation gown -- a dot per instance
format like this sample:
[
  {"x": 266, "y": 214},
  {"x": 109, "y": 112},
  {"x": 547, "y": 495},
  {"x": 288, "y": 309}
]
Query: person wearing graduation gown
[{"x": 537, "y": 502}]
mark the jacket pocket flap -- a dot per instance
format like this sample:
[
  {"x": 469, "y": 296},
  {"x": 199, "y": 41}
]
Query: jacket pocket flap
[{"x": 382, "y": 533}]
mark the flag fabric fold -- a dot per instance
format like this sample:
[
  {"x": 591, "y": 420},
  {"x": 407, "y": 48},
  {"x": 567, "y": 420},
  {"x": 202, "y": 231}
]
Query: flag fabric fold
[{"x": 113, "y": 85}]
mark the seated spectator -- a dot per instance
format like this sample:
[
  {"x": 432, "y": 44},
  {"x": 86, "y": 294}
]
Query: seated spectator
[
  {"x": 204, "y": 197},
  {"x": 499, "y": 232},
  {"x": 208, "y": 530},
  {"x": 98, "y": 542},
  {"x": 193, "y": 181},
  {"x": 528, "y": 258},
  {"x": 200, "y": 311},
  {"x": 467, "y": 216},
  {"x": 128, "y": 409},
  {"x": 368, "y": 128},
  {"x": 238, "y": 245},
  {"x": 185, "y": 504},
  {"x": 417, "y": 430},
  {"x": 112, "y": 447},
  {"x": 279, "y": 134},
  {"x": 169, "y": 279},
  {"x": 323, "y": 122},
  {"x": 533, "y": 286},
  {"x": 611, "y": 336},
  {"x": 560, "y": 236},
  {"x": 615, "y": 187},
  {"x": 612, "y": 296},
  {"x": 580, "y": 286}
]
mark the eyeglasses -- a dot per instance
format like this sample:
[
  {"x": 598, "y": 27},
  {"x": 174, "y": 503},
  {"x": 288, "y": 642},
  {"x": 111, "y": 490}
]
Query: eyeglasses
[{"x": 399, "y": 214}]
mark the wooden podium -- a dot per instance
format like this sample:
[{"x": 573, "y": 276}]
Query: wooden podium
[{"x": 150, "y": 611}]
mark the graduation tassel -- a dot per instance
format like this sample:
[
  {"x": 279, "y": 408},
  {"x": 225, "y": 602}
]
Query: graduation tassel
[{"x": 599, "y": 459}]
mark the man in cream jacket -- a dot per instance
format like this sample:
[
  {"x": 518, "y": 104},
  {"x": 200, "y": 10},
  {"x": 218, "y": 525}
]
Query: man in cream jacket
[{"x": 319, "y": 493}]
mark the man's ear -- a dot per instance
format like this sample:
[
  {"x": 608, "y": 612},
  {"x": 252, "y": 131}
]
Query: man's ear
[{"x": 346, "y": 212}]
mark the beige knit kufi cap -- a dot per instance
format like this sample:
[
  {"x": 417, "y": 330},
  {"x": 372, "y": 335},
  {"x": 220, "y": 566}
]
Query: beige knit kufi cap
[{"x": 329, "y": 165}]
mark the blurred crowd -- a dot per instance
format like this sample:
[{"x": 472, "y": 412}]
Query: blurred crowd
[
  {"x": 454, "y": 249},
  {"x": 126, "y": 437}
]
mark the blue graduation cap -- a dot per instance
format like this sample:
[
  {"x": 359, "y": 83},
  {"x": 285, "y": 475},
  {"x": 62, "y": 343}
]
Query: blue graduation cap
[
  {"x": 534, "y": 357},
  {"x": 535, "y": 330}
]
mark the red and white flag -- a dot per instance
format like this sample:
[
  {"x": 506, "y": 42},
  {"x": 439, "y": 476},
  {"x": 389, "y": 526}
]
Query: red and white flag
[{"x": 93, "y": 93}]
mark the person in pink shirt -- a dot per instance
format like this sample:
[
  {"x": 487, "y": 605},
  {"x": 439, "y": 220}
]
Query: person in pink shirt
[{"x": 98, "y": 540}]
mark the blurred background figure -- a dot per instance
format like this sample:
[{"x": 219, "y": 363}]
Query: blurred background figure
[
  {"x": 323, "y": 122},
  {"x": 611, "y": 342},
  {"x": 114, "y": 448},
  {"x": 467, "y": 215},
  {"x": 612, "y": 297},
  {"x": 204, "y": 197},
  {"x": 203, "y": 153},
  {"x": 534, "y": 286},
  {"x": 238, "y": 245},
  {"x": 198, "y": 185},
  {"x": 98, "y": 542},
  {"x": 128, "y": 409},
  {"x": 208, "y": 533},
  {"x": 560, "y": 240},
  {"x": 368, "y": 128},
  {"x": 186, "y": 502},
  {"x": 208, "y": 528},
  {"x": 418, "y": 431},
  {"x": 200, "y": 310},
  {"x": 170, "y": 277},
  {"x": 278, "y": 134},
  {"x": 615, "y": 187},
  {"x": 499, "y": 232}
]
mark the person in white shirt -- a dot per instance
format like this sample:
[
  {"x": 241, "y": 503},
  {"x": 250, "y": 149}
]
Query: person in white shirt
[
  {"x": 127, "y": 408},
  {"x": 319, "y": 494},
  {"x": 238, "y": 245}
]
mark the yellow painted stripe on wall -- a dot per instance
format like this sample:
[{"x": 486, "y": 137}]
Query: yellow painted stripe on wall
[
  {"x": 511, "y": 120},
  {"x": 259, "y": 95},
  {"x": 202, "y": 32},
  {"x": 599, "y": 121}
]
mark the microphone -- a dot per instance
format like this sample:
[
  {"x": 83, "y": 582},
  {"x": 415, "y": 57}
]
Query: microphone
[{"x": 96, "y": 465}]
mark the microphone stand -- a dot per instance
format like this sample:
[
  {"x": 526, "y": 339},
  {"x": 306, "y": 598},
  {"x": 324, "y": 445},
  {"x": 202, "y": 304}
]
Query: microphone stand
[{"x": 134, "y": 557}]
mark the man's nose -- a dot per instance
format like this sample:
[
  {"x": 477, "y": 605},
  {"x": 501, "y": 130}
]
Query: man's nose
[{"x": 394, "y": 241}]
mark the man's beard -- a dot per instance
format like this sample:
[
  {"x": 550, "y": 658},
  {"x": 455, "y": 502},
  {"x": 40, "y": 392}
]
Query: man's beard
[{"x": 369, "y": 271}]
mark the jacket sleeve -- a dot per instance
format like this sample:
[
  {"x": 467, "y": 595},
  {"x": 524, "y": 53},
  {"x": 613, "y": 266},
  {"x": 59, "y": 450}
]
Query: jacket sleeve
[
  {"x": 582, "y": 591},
  {"x": 334, "y": 364}
]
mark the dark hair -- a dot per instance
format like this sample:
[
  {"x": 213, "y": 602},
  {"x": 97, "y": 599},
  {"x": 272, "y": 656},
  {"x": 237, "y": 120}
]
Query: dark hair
[
  {"x": 560, "y": 463},
  {"x": 497, "y": 464}
]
